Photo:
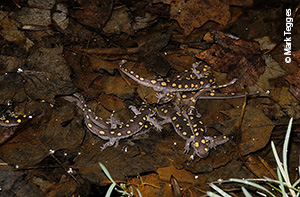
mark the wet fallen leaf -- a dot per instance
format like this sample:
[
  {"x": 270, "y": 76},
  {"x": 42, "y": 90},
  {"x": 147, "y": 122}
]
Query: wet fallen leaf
[
  {"x": 296, "y": 56},
  {"x": 15, "y": 183},
  {"x": 118, "y": 87},
  {"x": 94, "y": 13},
  {"x": 238, "y": 58},
  {"x": 255, "y": 164},
  {"x": 294, "y": 81},
  {"x": 195, "y": 13},
  {"x": 255, "y": 130}
]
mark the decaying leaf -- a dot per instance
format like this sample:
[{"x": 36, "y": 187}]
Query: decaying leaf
[
  {"x": 255, "y": 131},
  {"x": 195, "y": 13},
  {"x": 238, "y": 58},
  {"x": 294, "y": 81},
  {"x": 94, "y": 13}
]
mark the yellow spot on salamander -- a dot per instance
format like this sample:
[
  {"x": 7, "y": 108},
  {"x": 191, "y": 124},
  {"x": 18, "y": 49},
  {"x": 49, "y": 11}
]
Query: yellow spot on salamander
[
  {"x": 173, "y": 85},
  {"x": 165, "y": 111},
  {"x": 196, "y": 86},
  {"x": 101, "y": 132},
  {"x": 195, "y": 125},
  {"x": 87, "y": 117},
  {"x": 212, "y": 94},
  {"x": 90, "y": 125},
  {"x": 179, "y": 86},
  {"x": 203, "y": 141},
  {"x": 202, "y": 129},
  {"x": 19, "y": 121},
  {"x": 112, "y": 132},
  {"x": 206, "y": 149},
  {"x": 163, "y": 83},
  {"x": 184, "y": 96},
  {"x": 144, "y": 118},
  {"x": 142, "y": 79},
  {"x": 146, "y": 126},
  {"x": 197, "y": 133},
  {"x": 140, "y": 123},
  {"x": 192, "y": 85},
  {"x": 174, "y": 118},
  {"x": 119, "y": 134},
  {"x": 178, "y": 76},
  {"x": 137, "y": 76},
  {"x": 6, "y": 121},
  {"x": 131, "y": 72},
  {"x": 24, "y": 116},
  {"x": 210, "y": 81},
  {"x": 128, "y": 132},
  {"x": 131, "y": 120},
  {"x": 196, "y": 144},
  {"x": 177, "y": 125},
  {"x": 89, "y": 110},
  {"x": 201, "y": 82},
  {"x": 186, "y": 86},
  {"x": 184, "y": 133},
  {"x": 153, "y": 81}
]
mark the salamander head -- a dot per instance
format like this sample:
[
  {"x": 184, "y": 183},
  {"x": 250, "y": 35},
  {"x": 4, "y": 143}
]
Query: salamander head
[{"x": 201, "y": 148}]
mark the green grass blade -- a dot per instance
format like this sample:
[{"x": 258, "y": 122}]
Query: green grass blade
[
  {"x": 138, "y": 191},
  {"x": 110, "y": 189},
  {"x": 211, "y": 194},
  {"x": 252, "y": 184},
  {"x": 296, "y": 183},
  {"x": 281, "y": 183},
  {"x": 107, "y": 173},
  {"x": 219, "y": 190},
  {"x": 285, "y": 151},
  {"x": 246, "y": 193},
  {"x": 279, "y": 164}
]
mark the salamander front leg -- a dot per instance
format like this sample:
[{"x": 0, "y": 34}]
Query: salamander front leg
[{"x": 111, "y": 142}]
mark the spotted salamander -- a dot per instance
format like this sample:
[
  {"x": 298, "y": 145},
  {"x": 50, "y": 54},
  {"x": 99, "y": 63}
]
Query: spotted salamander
[
  {"x": 202, "y": 144},
  {"x": 198, "y": 78},
  {"x": 191, "y": 80},
  {"x": 191, "y": 128},
  {"x": 186, "y": 97},
  {"x": 89, "y": 114},
  {"x": 141, "y": 120},
  {"x": 171, "y": 114},
  {"x": 14, "y": 120}
]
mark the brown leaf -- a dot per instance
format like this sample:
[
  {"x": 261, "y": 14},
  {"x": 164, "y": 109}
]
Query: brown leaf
[
  {"x": 296, "y": 56},
  {"x": 195, "y": 13},
  {"x": 238, "y": 58},
  {"x": 294, "y": 81},
  {"x": 255, "y": 131},
  {"x": 94, "y": 13}
]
